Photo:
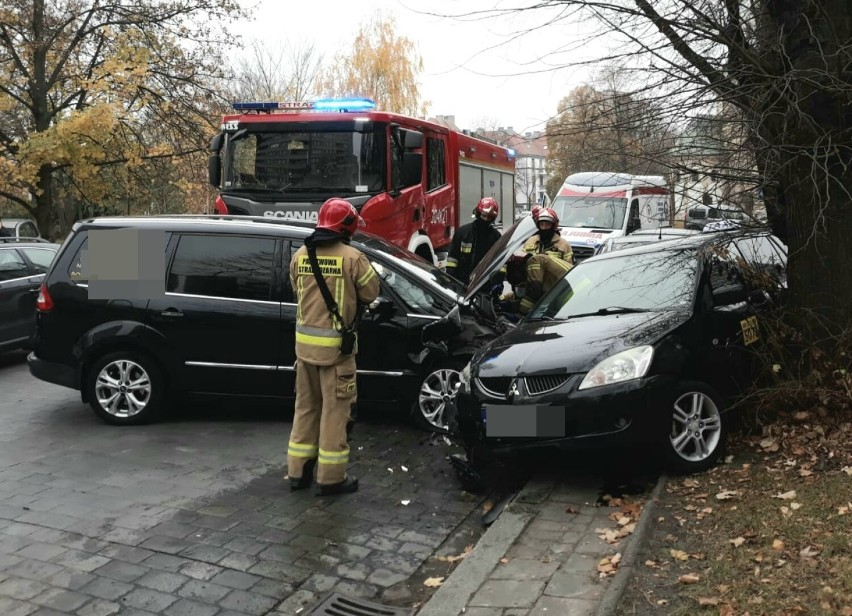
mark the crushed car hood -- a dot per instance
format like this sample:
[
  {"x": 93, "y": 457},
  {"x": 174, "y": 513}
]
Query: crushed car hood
[
  {"x": 511, "y": 241},
  {"x": 574, "y": 345}
]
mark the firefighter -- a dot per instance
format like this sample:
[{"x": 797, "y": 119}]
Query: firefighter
[
  {"x": 531, "y": 276},
  {"x": 548, "y": 240},
  {"x": 473, "y": 240},
  {"x": 326, "y": 345}
]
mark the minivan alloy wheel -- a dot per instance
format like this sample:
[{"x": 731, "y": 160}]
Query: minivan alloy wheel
[
  {"x": 696, "y": 427},
  {"x": 438, "y": 388},
  {"x": 123, "y": 388}
]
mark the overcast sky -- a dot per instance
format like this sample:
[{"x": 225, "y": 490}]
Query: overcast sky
[{"x": 475, "y": 68}]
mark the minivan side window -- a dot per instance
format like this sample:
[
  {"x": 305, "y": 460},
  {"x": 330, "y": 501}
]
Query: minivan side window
[
  {"x": 229, "y": 267},
  {"x": 41, "y": 258}
]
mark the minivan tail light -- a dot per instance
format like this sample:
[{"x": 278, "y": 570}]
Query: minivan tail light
[{"x": 44, "y": 303}]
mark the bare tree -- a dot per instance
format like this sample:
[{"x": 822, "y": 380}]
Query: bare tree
[{"x": 285, "y": 72}]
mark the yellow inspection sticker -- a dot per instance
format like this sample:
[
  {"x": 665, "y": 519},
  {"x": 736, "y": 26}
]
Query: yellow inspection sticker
[{"x": 750, "y": 330}]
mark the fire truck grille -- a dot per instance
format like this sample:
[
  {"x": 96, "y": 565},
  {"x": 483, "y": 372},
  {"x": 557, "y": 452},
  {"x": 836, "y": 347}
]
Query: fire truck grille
[{"x": 537, "y": 385}]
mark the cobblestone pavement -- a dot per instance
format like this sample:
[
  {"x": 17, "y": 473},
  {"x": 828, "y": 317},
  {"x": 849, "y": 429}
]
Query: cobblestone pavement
[{"x": 192, "y": 517}]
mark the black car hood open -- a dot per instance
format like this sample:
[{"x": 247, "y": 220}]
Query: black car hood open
[
  {"x": 572, "y": 346},
  {"x": 512, "y": 240}
]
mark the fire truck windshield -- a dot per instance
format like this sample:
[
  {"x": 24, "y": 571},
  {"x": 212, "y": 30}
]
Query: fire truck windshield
[
  {"x": 590, "y": 212},
  {"x": 338, "y": 160}
]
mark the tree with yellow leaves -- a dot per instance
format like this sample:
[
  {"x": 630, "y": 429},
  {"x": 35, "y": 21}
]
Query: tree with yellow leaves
[
  {"x": 381, "y": 65},
  {"x": 95, "y": 98}
]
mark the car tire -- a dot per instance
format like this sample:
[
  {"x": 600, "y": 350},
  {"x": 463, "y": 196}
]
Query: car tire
[
  {"x": 697, "y": 428},
  {"x": 429, "y": 408},
  {"x": 126, "y": 388}
]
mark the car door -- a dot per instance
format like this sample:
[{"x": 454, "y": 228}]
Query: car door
[
  {"x": 18, "y": 291},
  {"x": 220, "y": 313}
]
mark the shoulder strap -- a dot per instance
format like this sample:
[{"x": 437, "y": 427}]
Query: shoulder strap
[{"x": 323, "y": 287}]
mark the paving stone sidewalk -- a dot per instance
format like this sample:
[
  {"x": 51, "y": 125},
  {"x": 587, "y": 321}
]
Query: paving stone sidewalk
[{"x": 539, "y": 558}]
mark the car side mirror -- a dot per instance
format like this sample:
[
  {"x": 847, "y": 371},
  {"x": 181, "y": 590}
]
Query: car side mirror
[
  {"x": 381, "y": 306},
  {"x": 214, "y": 166},
  {"x": 729, "y": 294}
]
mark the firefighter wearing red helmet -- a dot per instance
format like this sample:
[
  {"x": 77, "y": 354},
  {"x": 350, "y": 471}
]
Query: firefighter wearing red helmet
[
  {"x": 473, "y": 240},
  {"x": 553, "y": 257},
  {"x": 326, "y": 345}
]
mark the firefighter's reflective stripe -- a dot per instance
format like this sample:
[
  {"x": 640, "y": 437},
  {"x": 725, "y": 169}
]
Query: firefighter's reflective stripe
[
  {"x": 333, "y": 457},
  {"x": 317, "y": 336},
  {"x": 466, "y": 247},
  {"x": 526, "y": 305},
  {"x": 533, "y": 267},
  {"x": 452, "y": 262},
  {"x": 368, "y": 275},
  {"x": 302, "y": 450}
]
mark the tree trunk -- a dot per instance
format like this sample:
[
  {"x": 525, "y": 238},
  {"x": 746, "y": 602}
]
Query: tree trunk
[{"x": 44, "y": 205}]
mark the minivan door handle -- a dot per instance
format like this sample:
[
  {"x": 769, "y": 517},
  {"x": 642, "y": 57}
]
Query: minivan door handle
[{"x": 171, "y": 313}]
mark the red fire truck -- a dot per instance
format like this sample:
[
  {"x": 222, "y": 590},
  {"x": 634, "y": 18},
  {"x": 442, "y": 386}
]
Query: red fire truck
[{"x": 414, "y": 182}]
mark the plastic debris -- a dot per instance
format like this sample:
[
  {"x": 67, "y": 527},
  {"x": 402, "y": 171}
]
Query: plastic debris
[{"x": 405, "y": 502}]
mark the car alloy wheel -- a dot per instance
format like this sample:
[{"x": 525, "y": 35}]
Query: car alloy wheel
[
  {"x": 126, "y": 388},
  {"x": 696, "y": 428},
  {"x": 123, "y": 388},
  {"x": 438, "y": 388}
]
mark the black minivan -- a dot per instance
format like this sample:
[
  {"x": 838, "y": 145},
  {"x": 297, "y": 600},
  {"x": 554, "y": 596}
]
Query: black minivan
[{"x": 212, "y": 313}]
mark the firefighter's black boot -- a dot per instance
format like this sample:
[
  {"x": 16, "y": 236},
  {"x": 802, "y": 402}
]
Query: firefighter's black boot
[
  {"x": 300, "y": 483},
  {"x": 347, "y": 486}
]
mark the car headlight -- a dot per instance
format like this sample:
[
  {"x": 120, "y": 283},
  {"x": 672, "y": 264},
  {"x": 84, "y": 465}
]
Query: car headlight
[
  {"x": 464, "y": 379},
  {"x": 623, "y": 366}
]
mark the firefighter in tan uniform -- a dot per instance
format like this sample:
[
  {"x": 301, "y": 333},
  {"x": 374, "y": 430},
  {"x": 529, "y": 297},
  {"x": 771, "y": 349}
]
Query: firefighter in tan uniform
[{"x": 325, "y": 367}]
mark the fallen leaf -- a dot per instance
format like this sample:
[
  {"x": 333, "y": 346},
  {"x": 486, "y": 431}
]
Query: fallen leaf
[
  {"x": 404, "y": 469},
  {"x": 433, "y": 582},
  {"x": 679, "y": 555},
  {"x": 616, "y": 559},
  {"x": 808, "y": 552},
  {"x": 390, "y": 470},
  {"x": 795, "y": 506},
  {"x": 504, "y": 560},
  {"x": 662, "y": 602},
  {"x": 805, "y": 473},
  {"x": 727, "y": 494},
  {"x": 802, "y": 415},
  {"x": 571, "y": 509},
  {"x": 737, "y": 542},
  {"x": 706, "y": 601},
  {"x": 487, "y": 506},
  {"x": 787, "y": 495},
  {"x": 769, "y": 444},
  {"x": 726, "y": 610},
  {"x": 689, "y": 578},
  {"x": 454, "y": 559},
  {"x": 690, "y": 483},
  {"x": 778, "y": 545},
  {"x": 847, "y": 470},
  {"x": 650, "y": 563}
]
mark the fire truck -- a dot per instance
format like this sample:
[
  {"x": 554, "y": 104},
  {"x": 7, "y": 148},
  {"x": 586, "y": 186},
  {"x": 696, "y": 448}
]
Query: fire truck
[
  {"x": 595, "y": 206},
  {"x": 413, "y": 181}
]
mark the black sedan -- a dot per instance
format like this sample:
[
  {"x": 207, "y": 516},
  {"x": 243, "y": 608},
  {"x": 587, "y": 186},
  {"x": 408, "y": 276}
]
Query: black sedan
[{"x": 639, "y": 345}]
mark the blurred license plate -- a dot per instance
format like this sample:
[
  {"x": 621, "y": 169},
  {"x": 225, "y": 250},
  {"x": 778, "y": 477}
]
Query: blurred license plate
[{"x": 523, "y": 420}]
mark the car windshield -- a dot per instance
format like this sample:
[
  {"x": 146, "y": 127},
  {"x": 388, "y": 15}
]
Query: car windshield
[
  {"x": 641, "y": 282},
  {"x": 590, "y": 212},
  {"x": 338, "y": 158}
]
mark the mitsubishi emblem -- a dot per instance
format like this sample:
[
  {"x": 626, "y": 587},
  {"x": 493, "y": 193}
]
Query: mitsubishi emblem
[{"x": 513, "y": 390}]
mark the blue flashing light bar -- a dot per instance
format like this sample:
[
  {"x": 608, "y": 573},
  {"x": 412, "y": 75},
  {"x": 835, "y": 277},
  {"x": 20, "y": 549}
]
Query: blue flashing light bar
[
  {"x": 510, "y": 151},
  {"x": 324, "y": 104}
]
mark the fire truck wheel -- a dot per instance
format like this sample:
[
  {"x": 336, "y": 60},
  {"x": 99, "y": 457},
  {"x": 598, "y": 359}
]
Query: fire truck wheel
[{"x": 439, "y": 386}]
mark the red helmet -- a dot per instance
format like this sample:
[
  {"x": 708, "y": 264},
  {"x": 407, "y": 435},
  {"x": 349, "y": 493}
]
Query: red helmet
[
  {"x": 487, "y": 209},
  {"x": 340, "y": 216},
  {"x": 536, "y": 210},
  {"x": 546, "y": 214}
]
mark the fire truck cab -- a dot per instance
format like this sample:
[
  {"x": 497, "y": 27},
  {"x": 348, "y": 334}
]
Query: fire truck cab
[
  {"x": 595, "y": 206},
  {"x": 413, "y": 181}
]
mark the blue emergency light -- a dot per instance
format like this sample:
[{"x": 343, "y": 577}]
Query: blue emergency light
[{"x": 323, "y": 104}]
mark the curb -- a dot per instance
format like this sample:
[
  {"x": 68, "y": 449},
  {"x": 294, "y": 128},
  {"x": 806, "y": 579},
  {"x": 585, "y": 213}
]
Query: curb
[
  {"x": 452, "y": 597},
  {"x": 615, "y": 590}
]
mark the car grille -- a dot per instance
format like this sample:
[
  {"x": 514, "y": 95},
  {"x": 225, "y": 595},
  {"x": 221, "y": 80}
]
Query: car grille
[
  {"x": 582, "y": 252},
  {"x": 496, "y": 387},
  {"x": 537, "y": 385}
]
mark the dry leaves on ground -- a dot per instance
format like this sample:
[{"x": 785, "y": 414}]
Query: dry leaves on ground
[{"x": 434, "y": 582}]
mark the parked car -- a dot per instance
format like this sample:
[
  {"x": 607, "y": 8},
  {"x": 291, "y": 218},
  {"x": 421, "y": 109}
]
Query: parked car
[
  {"x": 22, "y": 229},
  {"x": 22, "y": 269},
  {"x": 642, "y": 345},
  {"x": 698, "y": 216},
  {"x": 222, "y": 322},
  {"x": 642, "y": 237}
]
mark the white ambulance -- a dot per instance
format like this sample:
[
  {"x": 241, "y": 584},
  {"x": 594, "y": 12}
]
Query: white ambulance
[{"x": 595, "y": 206}]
